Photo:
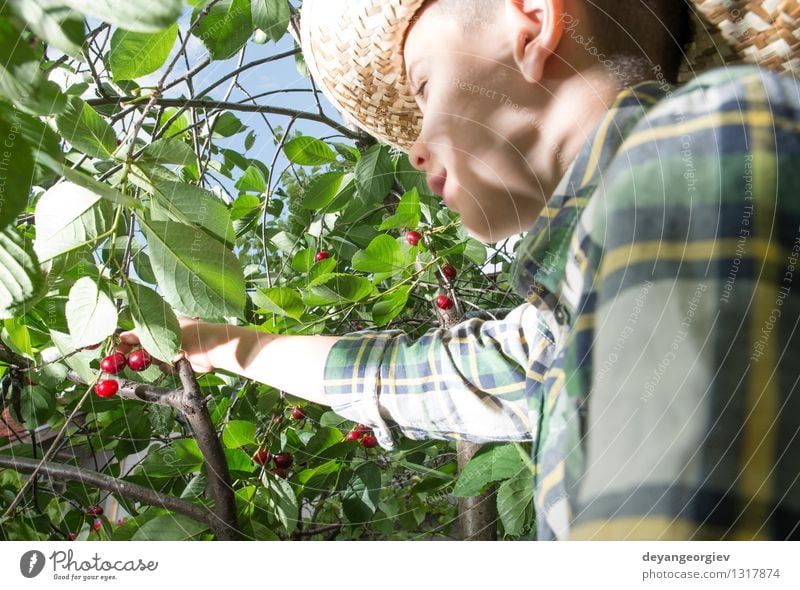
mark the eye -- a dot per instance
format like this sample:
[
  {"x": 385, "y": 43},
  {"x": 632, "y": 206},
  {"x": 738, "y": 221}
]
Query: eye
[{"x": 421, "y": 89}]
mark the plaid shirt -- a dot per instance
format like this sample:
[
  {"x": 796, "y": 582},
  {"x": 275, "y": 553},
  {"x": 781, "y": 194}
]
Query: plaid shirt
[{"x": 654, "y": 363}]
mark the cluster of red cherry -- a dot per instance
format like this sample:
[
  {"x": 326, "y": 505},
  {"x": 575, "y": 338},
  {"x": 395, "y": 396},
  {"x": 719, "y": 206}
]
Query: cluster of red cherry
[
  {"x": 137, "y": 360},
  {"x": 282, "y": 461},
  {"x": 363, "y": 434},
  {"x": 413, "y": 237}
]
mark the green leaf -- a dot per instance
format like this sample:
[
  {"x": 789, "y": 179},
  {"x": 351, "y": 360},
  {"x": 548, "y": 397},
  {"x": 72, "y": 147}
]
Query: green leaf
[
  {"x": 67, "y": 217},
  {"x": 37, "y": 406},
  {"x": 407, "y": 214},
  {"x": 279, "y": 497},
  {"x": 16, "y": 170},
  {"x": 21, "y": 77},
  {"x": 86, "y": 130},
  {"x": 16, "y": 334},
  {"x": 169, "y": 527},
  {"x": 21, "y": 281},
  {"x": 322, "y": 190},
  {"x": 515, "y": 503},
  {"x": 133, "y": 55},
  {"x": 178, "y": 126},
  {"x": 43, "y": 142},
  {"x": 239, "y": 433},
  {"x": 343, "y": 287},
  {"x": 54, "y": 23},
  {"x": 227, "y": 125},
  {"x": 169, "y": 151},
  {"x": 324, "y": 438},
  {"x": 240, "y": 464},
  {"x": 308, "y": 151},
  {"x": 252, "y": 180},
  {"x": 382, "y": 255},
  {"x": 375, "y": 174},
  {"x": 101, "y": 189},
  {"x": 284, "y": 241},
  {"x": 319, "y": 477},
  {"x": 304, "y": 261},
  {"x": 271, "y": 16},
  {"x": 318, "y": 269},
  {"x": 390, "y": 306},
  {"x": 133, "y": 15},
  {"x": 77, "y": 361},
  {"x": 197, "y": 274},
  {"x": 280, "y": 300},
  {"x": 91, "y": 314},
  {"x": 188, "y": 204},
  {"x": 410, "y": 177},
  {"x": 491, "y": 463},
  {"x": 180, "y": 457},
  {"x": 475, "y": 251},
  {"x": 226, "y": 27},
  {"x": 156, "y": 324},
  {"x": 250, "y": 140},
  {"x": 360, "y": 498}
]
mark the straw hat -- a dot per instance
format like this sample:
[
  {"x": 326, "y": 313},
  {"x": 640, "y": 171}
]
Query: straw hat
[{"x": 352, "y": 49}]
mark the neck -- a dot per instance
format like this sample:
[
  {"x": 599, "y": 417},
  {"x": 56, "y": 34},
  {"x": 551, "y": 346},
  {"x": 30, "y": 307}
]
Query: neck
[{"x": 578, "y": 103}]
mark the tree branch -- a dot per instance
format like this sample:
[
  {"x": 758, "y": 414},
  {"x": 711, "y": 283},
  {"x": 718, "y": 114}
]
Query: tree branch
[
  {"x": 229, "y": 106},
  {"x": 194, "y": 407},
  {"x": 328, "y": 528},
  {"x": 142, "y": 392},
  {"x": 106, "y": 482}
]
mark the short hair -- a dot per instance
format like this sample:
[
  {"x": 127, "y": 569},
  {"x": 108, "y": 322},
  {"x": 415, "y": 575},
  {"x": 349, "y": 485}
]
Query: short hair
[
  {"x": 637, "y": 33},
  {"x": 643, "y": 32}
]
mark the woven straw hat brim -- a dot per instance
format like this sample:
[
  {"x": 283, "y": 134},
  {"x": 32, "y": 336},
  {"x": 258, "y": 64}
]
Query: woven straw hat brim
[{"x": 353, "y": 51}]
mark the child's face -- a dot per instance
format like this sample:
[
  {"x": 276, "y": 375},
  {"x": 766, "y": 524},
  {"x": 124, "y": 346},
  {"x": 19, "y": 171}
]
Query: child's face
[{"x": 481, "y": 124}]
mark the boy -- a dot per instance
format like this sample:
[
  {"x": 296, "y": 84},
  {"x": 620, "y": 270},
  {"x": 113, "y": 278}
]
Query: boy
[{"x": 651, "y": 363}]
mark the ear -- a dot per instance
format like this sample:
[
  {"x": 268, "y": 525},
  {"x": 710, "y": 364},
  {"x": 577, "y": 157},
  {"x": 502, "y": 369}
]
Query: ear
[{"x": 537, "y": 27}]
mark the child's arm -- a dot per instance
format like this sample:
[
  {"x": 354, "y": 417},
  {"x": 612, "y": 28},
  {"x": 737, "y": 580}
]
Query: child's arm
[{"x": 294, "y": 364}]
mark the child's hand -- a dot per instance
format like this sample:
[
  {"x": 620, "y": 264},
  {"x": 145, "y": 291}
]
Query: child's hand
[{"x": 198, "y": 341}]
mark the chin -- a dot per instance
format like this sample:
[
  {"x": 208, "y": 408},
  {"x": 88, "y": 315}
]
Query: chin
[{"x": 482, "y": 235}]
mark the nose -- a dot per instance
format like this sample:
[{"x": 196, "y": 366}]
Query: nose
[{"x": 419, "y": 156}]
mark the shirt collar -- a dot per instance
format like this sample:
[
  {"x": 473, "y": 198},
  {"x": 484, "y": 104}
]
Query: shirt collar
[{"x": 540, "y": 265}]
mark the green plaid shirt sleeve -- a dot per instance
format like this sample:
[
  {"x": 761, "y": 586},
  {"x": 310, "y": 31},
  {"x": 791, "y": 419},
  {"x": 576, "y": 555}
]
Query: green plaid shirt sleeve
[{"x": 479, "y": 380}]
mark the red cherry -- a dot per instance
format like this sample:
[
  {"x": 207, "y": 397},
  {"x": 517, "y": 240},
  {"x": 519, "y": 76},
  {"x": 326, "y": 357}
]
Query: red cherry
[
  {"x": 139, "y": 359},
  {"x": 444, "y": 302},
  {"x": 353, "y": 435},
  {"x": 449, "y": 271},
  {"x": 113, "y": 363},
  {"x": 95, "y": 511},
  {"x": 369, "y": 441},
  {"x": 106, "y": 388},
  {"x": 298, "y": 414},
  {"x": 322, "y": 255},
  {"x": 279, "y": 471},
  {"x": 362, "y": 428},
  {"x": 413, "y": 237},
  {"x": 284, "y": 460},
  {"x": 97, "y": 525},
  {"x": 262, "y": 456},
  {"x": 72, "y": 536},
  {"x": 120, "y": 521}
]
